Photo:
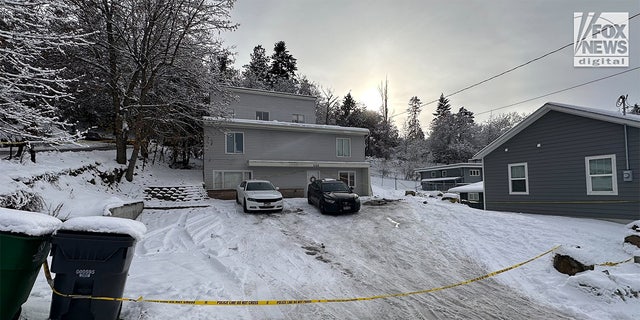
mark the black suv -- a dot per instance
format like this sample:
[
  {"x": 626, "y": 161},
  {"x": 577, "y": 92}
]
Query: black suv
[{"x": 332, "y": 196}]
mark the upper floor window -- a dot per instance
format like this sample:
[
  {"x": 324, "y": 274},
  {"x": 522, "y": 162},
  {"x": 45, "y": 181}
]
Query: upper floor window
[
  {"x": 601, "y": 175},
  {"x": 518, "y": 178},
  {"x": 434, "y": 174},
  {"x": 443, "y": 173},
  {"x": 235, "y": 142},
  {"x": 474, "y": 172},
  {"x": 262, "y": 115},
  {"x": 298, "y": 118},
  {"x": 343, "y": 147}
]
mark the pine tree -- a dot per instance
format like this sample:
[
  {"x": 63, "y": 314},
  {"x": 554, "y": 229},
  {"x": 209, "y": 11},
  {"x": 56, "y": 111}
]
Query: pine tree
[
  {"x": 443, "y": 107},
  {"x": 413, "y": 131},
  {"x": 257, "y": 73},
  {"x": 283, "y": 64},
  {"x": 346, "y": 111}
]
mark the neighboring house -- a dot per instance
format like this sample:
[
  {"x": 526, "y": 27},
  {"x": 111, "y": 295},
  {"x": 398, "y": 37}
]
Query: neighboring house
[
  {"x": 471, "y": 194},
  {"x": 444, "y": 177},
  {"x": 566, "y": 160},
  {"x": 274, "y": 137}
]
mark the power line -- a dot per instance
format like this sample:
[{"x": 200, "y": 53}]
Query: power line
[
  {"x": 518, "y": 67},
  {"x": 558, "y": 91}
]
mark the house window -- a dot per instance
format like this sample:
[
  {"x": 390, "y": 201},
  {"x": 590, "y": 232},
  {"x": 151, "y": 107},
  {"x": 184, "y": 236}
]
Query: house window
[
  {"x": 518, "y": 178},
  {"x": 601, "y": 175},
  {"x": 433, "y": 174},
  {"x": 298, "y": 118},
  {"x": 229, "y": 179},
  {"x": 348, "y": 177},
  {"x": 444, "y": 173},
  {"x": 262, "y": 115},
  {"x": 343, "y": 147},
  {"x": 474, "y": 196},
  {"x": 474, "y": 172},
  {"x": 235, "y": 142}
]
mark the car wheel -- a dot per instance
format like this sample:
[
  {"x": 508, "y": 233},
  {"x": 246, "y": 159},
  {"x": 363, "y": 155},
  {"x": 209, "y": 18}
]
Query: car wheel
[
  {"x": 244, "y": 206},
  {"x": 321, "y": 207}
]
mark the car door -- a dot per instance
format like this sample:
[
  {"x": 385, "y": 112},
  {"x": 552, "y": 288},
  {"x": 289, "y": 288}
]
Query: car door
[
  {"x": 314, "y": 192},
  {"x": 240, "y": 191}
]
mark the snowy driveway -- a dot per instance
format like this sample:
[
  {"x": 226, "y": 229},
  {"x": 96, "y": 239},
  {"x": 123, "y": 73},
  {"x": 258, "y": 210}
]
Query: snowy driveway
[{"x": 221, "y": 253}]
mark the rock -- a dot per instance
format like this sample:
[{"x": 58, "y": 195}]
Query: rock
[
  {"x": 410, "y": 193},
  {"x": 633, "y": 239},
  {"x": 567, "y": 265}
]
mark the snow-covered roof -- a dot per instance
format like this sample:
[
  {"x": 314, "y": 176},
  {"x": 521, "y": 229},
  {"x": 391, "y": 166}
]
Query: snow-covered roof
[
  {"x": 440, "y": 179},
  {"x": 472, "y": 187},
  {"x": 281, "y": 125},
  {"x": 451, "y": 166},
  {"x": 29, "y": 223},
  {"x": 612, "y": 116}
]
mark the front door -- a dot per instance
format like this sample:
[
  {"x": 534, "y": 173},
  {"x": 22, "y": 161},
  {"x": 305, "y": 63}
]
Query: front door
[{"x": 311, "y": 174}]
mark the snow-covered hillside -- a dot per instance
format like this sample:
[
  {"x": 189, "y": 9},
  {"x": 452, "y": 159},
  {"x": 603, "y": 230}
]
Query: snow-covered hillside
[{"x": 416, "y": 243}]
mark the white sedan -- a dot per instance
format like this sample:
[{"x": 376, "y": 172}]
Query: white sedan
[{"x": 258, "y": 195}]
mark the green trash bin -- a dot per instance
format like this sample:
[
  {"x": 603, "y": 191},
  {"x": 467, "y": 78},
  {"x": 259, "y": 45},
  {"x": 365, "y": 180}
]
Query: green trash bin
[{"x": 24, "y": 246}]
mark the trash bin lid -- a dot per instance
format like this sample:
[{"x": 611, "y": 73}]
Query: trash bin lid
[
  {"x": 29, "y": 223},
  {"x": 106, "y": 224}
]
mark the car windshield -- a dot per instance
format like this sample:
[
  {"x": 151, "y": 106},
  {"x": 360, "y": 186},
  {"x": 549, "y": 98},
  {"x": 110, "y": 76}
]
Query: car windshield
[
  {"x": 256, "y": 186},
  {"x": 335, "y": 187}
]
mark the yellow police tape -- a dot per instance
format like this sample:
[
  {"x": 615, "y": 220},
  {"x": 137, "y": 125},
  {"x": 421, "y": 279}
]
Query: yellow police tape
[
  {"x": 285, "y": 302},
  {"x": 613, "y": 264}
]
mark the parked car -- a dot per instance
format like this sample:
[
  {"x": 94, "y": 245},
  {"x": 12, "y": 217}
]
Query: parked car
[
  {"x": 258, "y": 195},
  {"x": 332, "y": 196}
]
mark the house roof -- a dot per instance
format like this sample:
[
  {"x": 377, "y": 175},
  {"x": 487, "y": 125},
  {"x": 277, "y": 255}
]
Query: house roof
[
  {"x": 472, "y": 187},
  {"x": 270, "y": 93},
  {"x": 612, "y": 116},
  {"x": 284, "y": 126},
  {"x": 440, "y": 179},
  {"x": 451, "y": 166}
]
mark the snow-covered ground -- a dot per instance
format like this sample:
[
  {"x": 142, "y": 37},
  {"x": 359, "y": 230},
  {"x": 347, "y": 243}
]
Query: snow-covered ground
[{"x": 416, "y": 243}]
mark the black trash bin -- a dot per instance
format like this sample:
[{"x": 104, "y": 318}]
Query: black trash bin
[{"x": 92, "y": 264}]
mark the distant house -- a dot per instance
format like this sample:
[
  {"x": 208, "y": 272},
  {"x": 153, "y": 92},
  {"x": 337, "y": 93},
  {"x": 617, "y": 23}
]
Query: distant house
[
  {"x": 566, "y": 160},
  {"x": 273, "y": 136},
  {"x": 444, "y": 177},
  {"x": 471, "y": 194}
]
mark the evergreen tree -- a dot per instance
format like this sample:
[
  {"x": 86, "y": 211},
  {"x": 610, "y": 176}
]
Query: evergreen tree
[
  {"x": 443, "y": 107},
  {"x": 283, "y": 64},
  {"x": 413, "y": 131},
  {"x": 257, "y": 73},
  {"x": 346, "y": 111}
]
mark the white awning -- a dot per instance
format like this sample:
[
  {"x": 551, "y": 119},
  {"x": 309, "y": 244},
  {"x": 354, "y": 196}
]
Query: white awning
[{"x": 307, "y": 164}]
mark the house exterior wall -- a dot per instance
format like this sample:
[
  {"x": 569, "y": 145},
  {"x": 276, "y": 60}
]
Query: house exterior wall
[
  {"x": 316, "y": 148},
  {"x": 462, "y": 172},
  {"x": 554, "y": 147},
  {"x": 281, "y": 106}
]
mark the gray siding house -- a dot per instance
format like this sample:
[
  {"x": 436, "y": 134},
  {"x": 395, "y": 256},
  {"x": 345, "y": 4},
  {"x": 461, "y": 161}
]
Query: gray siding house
[
  {"x": 285, "y": 149},
  {"x": 444, "y": 177},
  {"x": 566, "y": 160}
]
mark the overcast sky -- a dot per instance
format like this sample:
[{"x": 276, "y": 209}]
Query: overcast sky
[{"x": 425, "y": 48}]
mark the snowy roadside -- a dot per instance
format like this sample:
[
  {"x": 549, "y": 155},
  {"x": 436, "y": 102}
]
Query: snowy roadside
[{"x": 220, "y": 253}]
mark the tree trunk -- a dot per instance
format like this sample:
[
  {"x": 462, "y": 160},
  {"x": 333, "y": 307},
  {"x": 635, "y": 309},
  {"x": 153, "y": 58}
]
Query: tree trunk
[{"x": 132, "y": 161}]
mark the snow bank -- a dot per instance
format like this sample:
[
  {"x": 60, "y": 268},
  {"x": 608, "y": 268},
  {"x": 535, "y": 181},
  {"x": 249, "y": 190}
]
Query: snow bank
[
  {"x": 473, "y": 187},
  {"x": 29, "y": 223},
  {"x": 102, "y": 224}
]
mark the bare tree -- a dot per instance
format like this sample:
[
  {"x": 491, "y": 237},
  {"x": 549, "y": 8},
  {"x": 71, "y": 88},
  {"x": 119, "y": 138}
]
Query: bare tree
[
  {"x": 29, "y": 88},
  {"x": 157, "y": 54},
  {"x": 327, "y": 107}
]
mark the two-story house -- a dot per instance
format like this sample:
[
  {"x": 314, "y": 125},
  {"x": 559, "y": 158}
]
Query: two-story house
[
  {"x": 273, "y": 136},
  {"x": 444, "y": 177}
]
